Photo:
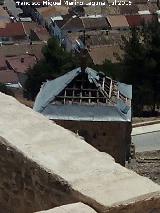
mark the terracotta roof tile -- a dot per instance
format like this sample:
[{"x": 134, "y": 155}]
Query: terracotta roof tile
[
  {"x": 41, "y": 33},
  {"x": 52, "y": 11},
  {"x": 8, "y": 76},
  {"x": 139, "y": 1},
  {"x": 101, "y": 53},
  {"x": 134, "y": 20},
  {"x": 3, "y": 64},
  {"x": 21, "y": 49},
  {"x": 112, "y": 10},
  {"x": 142, "y": 7},
  {"x": 128, "y": 9},
  {"x": 148, "y": 18},
  {"x": 152, "y": 7},
  {"x": 95, "y": 23},
  {"x": 28, "y": 26},
  {"x": 20, "y": 64},
  {"x": 12, "y": 30},
  {"x": 117, "y": 21},
  {"x": 3, "y": 13},
  {"x": 73, "y": 23}
]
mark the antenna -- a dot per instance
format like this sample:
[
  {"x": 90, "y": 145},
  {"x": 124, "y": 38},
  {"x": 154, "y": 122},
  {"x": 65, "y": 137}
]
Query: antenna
[
  {"x": 84, "y": 38},
  {"x": 83, "y": 53}
]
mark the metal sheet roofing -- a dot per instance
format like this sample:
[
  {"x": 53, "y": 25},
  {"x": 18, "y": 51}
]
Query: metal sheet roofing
[
  {"x": 125, "y": 90},
  {"x": 83, "y": 113},
  {"x": 49, "y": 90}
]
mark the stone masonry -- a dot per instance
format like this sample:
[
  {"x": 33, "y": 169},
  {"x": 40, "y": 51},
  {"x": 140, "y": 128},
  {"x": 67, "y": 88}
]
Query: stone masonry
[{"x": 43, "y": 166}]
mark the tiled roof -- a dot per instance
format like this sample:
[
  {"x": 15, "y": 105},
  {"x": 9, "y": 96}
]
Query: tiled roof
[
  {"x": 139, "y": 1},
  {"x": 3, "y": 13},
  {"x": 99, "y": 38},
  {"x": 134, "y": 20},
  {"x": 128, "y": 9},
  {"x": 20, "y": 64},
  {"x": 65, "y": 18},
  {"x": 28, "y": 26},
  {"x": 12, "y": 30},
  {"x": 101, "y": 53},
  {"x": 3, "y": 64},
  {"x": 142, "y": 7},
  {"x": 3, "y": 23},
  {"x": 52, "y": 11},
  {"x": 117, "y": 21},
  {"x": 20, "y": 49},
  {"x": 39, "y": 30},
  {"x": 92, "y": 38},
  {"x": 8, "y": 76},
  {"x": 111, "y": 10},
  {"x": 148, "y": 18},
  {"x": 88, "y": 10},
  {"x": 152, "y": 7},
  {"x": 87, "y": 23},
  {"x": 41, "y": 33},
  {"x": 73, "y": 23},
  {"x": 95, "y": 23}
]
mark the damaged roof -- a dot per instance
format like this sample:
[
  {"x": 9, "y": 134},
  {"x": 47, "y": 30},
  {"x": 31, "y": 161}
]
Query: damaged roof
[{"x": 117, "y": 110}]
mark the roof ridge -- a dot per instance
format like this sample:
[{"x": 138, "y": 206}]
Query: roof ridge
[
  {"x": 24, "y": 29},
  {"x": 67, "y": 22},
  {"x": 82, "y": 22}
]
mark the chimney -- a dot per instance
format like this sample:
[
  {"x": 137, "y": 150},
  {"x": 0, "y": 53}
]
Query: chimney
[{"x": 22, "y": 60}]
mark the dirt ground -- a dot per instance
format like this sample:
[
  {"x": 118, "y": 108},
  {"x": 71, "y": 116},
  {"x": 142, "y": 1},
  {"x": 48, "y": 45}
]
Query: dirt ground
[{"x": 147, "y": 164}]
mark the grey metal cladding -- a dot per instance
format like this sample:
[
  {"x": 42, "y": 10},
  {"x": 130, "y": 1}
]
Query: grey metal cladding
[
  {"x": 83, "y": 113},
  {"x": 50, "y": 89}
]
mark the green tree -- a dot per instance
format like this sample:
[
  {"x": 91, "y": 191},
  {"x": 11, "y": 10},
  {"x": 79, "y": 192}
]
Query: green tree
[
  {"x": 113, "y": 70},
  {"x": 141, "y": 66},
  {"x": 35, "y": 77},
  {"x": 151, "y": 35},
  {"x": 55, "y": 63}
]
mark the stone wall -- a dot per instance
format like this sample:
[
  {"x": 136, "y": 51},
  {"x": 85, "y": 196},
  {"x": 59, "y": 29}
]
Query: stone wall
[
  {"x": 25, "y": 187},
  {"x": 113, "y": 138},
  {"x": 43, "y": 165}
]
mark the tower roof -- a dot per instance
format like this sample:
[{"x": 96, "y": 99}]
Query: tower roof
[{"x": 88, "y": 95}]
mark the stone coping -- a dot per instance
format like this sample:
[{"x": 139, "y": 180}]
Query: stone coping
[{"x": 93, "y": 176}]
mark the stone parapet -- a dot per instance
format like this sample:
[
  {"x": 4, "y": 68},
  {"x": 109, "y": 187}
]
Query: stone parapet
[{"x": 44, "y": 166}]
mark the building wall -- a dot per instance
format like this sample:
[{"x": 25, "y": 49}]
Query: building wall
[
  {"x": 111, "y": 137},
  {"x": 17, "y": 39},
  {"x": 57, "y": 32}
]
